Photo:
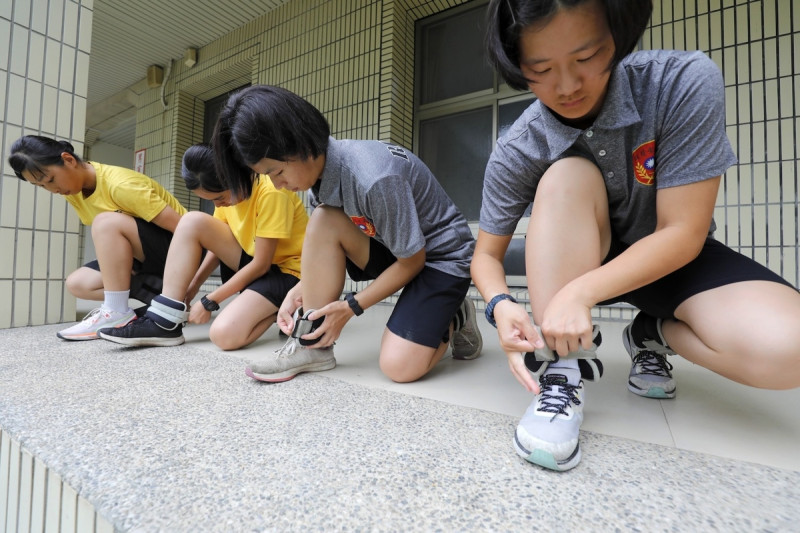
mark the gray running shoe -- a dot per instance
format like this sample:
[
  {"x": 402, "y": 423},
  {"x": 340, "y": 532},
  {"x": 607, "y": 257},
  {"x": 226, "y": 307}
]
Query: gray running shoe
[
  {"x": 293, "y": 358},
  {"x": 467, "y": 342},
  {"x": 548, "y": 433},
  {"x": 651, "y": 373}
]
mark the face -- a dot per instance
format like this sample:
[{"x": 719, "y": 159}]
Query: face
[
  {"x": 220, "y": 199},
  {"x": 294, "y": 175},
  {"x": 566, "y": 61},
  {"x": 63, "y": 179}
]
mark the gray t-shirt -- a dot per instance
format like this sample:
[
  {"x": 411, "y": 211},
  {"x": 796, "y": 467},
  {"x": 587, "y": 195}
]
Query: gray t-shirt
[
  {"x": 394, "y": 198},
  {"x": 662, "y": 125}
]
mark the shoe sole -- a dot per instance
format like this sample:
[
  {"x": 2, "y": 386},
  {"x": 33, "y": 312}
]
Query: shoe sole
[
  {"x": 657, "y": 393},
  {"x": 144, "y": 341},
  {"x": 89, "y": 336},
  {"x": 545, "y": 459},
  {"x": 280, "y": 377}
]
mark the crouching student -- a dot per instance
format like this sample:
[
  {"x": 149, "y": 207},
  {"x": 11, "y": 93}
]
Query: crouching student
[
  {"x": 256, "y": 242},
  {"x": 132, "y": 219},
  {"x": 380, "y": 215}
]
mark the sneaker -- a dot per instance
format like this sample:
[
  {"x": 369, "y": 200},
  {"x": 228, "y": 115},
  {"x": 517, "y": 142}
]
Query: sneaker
[
  {"x": 143, "y": 332},
  {"x": 651, "y": 373},
  {"x": 548, "y": 433},
  {"x": 293, "y": 358},
  {"x": 97, "y": 319},
  {"x": 467, "y": 342}
]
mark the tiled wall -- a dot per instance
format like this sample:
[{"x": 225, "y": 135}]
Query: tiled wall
[{"x": 44, "y": 63}]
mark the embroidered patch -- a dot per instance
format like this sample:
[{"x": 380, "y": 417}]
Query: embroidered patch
[
  {"x": 644, "y": 163},
  {"x": 364, "y": 225}
]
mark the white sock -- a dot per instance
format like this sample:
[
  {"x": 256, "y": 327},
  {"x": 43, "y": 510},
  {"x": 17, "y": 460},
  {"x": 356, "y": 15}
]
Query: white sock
[{"x": 116, "y": 301}]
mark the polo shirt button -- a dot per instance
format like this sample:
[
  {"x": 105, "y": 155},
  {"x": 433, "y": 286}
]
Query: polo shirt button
[
  {"x": 610, "y": 174},
  {"x": 589, "y": 133},
  {"x": 602, "y": 153}
]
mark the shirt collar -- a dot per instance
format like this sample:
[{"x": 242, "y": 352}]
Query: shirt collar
[{"x": 618, "y": 112}]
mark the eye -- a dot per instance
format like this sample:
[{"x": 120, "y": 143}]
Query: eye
[{"x": 585, "y": 59}]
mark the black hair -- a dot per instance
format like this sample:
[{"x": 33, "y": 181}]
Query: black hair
[
  {"x": 506, "y": 19},
  {"x": 263, "y": 121},
  {"x": 34, "y": 152},
  {"x": 197, "y": 169}
]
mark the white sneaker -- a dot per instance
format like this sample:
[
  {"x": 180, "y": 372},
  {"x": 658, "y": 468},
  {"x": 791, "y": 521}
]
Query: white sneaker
[
  {"x": 99, "y": 318},
  {"x": 548, "y": 433}
]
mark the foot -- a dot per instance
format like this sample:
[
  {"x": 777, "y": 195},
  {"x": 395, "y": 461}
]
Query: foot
[
  {"x": 293, "y": 358},
  {"x": 548, "y": 433},
  {"x": 467, "y": 341},
  {"x": 86, "y": 329},
  {"x": 651, "y": 373},
  {"x": 144, "y": 332}
]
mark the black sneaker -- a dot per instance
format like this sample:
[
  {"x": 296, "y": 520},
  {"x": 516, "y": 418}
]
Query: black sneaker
[
  {"x": 143, "y": 332},
  {"x": 651, "y": 373}
]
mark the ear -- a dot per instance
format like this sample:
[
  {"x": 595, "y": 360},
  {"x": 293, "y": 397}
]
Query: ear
[{"x": 69, "y": 160}]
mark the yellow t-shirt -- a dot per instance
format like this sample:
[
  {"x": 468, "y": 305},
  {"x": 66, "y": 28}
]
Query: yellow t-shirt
[
  {"x": 125, "y": 191},
  {"x": 269, "y": 213}
]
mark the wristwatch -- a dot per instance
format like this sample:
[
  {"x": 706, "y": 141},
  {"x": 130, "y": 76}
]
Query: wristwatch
[
  {"x": 493, "y": 302},
  {"x": 208, "y": 303},
  {"x": 353, "y": 303}
]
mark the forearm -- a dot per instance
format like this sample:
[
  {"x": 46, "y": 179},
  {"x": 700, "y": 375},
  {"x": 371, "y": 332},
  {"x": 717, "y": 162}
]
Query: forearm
[{"x": 488, "y": 275}]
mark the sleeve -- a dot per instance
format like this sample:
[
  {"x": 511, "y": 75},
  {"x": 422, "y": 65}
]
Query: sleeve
[
  {"x": 137, "y": 197},
  {"x": 393, "y": 211},
  {"x": 509, "y": 186},
  {"x": 692, "y": 145},
  {"x": 274, "y": 215}
]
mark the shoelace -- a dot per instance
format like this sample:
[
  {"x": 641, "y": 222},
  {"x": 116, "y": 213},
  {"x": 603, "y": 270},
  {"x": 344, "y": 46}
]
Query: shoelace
[
  {"x": 653, "y": 364},
  {"x": 460, "y": 338},
  {"x": 92, "y": 317},
  {"x": 288, "y": 348},
  {"x": 557, "y": 394}
]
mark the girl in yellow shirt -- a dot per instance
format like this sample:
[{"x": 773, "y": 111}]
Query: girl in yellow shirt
[
  {"x": 257, "y": 244},
  {"x": 132, "y": 219}
]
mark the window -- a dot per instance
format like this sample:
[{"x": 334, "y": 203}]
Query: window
[{"x": 461, "y": 105}]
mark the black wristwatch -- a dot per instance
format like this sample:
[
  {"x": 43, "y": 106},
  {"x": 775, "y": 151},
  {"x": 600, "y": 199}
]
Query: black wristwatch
[
  {"x": 208, "y": 303},
  {"x": 353, "y": 303},
  {"x": 494, "y": 301}
]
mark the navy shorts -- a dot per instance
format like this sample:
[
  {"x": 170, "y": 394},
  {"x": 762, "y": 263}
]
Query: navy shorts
[
  {"x": 155, "y": 244},
  {"x": 426, "y": 305},
  {"x": 274, "y": 285},
  {"x": 716, "y": 266}
]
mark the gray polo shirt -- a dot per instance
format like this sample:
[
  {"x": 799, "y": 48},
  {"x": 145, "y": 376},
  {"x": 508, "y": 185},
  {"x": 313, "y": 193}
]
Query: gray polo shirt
[
  {"x": 662, "y": 125},
  {"x": 394, "y": 198}
]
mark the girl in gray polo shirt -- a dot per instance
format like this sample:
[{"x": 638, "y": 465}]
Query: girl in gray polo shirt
[{"x": 622, "y": 156}]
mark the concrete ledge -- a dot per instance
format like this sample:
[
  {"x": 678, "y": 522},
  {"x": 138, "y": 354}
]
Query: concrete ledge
[{"x": 179, "y": 439}]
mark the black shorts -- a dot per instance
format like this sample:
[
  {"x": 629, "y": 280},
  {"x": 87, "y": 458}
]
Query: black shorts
[
  {"x": 274, "y": 285},
  {"x": 716, "y": 266},
  {"x": 426, "y": 306},
  {"x": 155, "y": 244}
]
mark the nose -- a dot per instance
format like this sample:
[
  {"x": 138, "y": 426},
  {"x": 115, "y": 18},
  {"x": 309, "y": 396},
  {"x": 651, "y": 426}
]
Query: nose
[{"x": 569, "y": 82}]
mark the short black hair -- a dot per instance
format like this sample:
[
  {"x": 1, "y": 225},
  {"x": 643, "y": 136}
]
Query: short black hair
[
  {"x": 506, "y": 19},
  {"x": 197, "y": 169},
  {"x": 263, "y": 121},
  {"x": 34, "y": 152}
]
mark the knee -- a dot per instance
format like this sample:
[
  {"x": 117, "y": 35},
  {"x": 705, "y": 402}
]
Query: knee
[
  {"x": 401, "y": 368},
  {"x": 224, "y": 336},
  {"x": 570, "y": 177},
  {"x": 108, "y": 222},
  {"x": 326, "y": 220},
  {"x": 192, "y": 223}
]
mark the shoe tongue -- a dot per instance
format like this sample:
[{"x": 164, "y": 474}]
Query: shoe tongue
[{"x": 564, "y": 375}]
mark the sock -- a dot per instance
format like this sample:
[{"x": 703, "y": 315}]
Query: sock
[
  {"x": 646, "y": 327},
  {"x": 116, "y": 300},
  {"x": 167, "y": 313}
]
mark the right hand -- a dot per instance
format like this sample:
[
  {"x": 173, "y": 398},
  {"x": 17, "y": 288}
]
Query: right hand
[
  {"x": 517, "y": 336},
  {"x": 291, "y": 303}
]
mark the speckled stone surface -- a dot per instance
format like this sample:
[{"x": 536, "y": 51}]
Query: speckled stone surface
[{"x": 179, "y": 439}]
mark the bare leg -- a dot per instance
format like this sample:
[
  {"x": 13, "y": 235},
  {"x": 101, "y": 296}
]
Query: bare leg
[
  {"x": 404, "y": 361},
  {"x": 86, "y": 283},
  {"x": 242, "y": 321},
  {"x": 116, "y": 239}
]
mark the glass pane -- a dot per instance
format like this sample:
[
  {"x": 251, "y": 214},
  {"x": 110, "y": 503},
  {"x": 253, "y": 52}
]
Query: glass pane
[
  {"x": 453, "y": 58},
  {"x": 456, "y": 148},
  {"x": 508, "y": 113}
]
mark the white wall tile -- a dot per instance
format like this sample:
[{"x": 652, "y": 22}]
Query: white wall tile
[
  {"x": 22, "y": 301},
  {"x": 70, "y": 36},
  {"x": 78, "y": 120},
  {"x": 38, "y": 311},
  {"x": 37, "y": 502},
  {"x": 39, "y": 18},
  {"x": 49, "y": 110},
  {"x": 55, "y": 298},
  {"x": 36, "y": 57},
  {"x": 23, "y": 250},
  {"x": 6, "y": 258},
  {"x": 26, "y": 199},
  {"x": 16, "y": 99},
  {"x": 5, "y": 42},
  {"x": 82, "y": 74},
  {"x": 53, "y": 502},
  {"x": 64, "y": 111},
  {"x": 55, "y": 16},
  {"x": 33, "y": 104},
  {"x": 52, "y": 62},
  {"x": 5, "y": 10},
  {"x": 22, "y": 12},
  {"x": 85, "y": 29},
  {"x": 67, "y": 80},
  {"x": 8, "y": 213},
  {"x": 6, "y": 293},
  {"x": 41, "y": 259}
]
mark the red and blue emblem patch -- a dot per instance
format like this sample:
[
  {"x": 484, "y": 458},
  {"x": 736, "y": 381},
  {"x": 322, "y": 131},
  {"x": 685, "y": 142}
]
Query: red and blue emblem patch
[
  {"x": 644, "y": 163},
  {"x": 364, "y": 225}
]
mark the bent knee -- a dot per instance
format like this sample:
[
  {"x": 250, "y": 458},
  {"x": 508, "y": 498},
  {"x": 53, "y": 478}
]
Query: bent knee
[
  {"x": 570, "y": 176},
  {"x": 404, "y": 367},
  {"x": 224, "y": 336}
]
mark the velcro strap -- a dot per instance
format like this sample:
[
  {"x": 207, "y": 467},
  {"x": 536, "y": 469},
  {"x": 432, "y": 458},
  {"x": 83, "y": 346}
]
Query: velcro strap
[{"x": 548, "y": 355}]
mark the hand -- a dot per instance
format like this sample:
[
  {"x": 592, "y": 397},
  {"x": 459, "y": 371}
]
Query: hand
[
  {"x": 198, "y": 314},
  {"x": 291, "y": 303},
  {"x": 517, "y": 336},
  {"x": 567, "y": 323},
  {"x": 336, "y": 316}
]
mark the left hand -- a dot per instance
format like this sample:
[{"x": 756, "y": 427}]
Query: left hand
[
  {"x": 567, "y": 323},
  {"x": 336, "y": 316},
  {"x": 198, "y": 314}
]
